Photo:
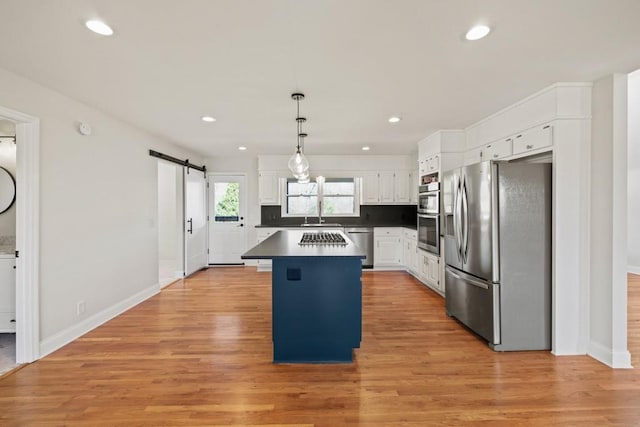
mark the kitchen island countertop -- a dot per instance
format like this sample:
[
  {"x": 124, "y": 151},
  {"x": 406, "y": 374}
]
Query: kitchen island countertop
[{"x": 284, "y": 243}]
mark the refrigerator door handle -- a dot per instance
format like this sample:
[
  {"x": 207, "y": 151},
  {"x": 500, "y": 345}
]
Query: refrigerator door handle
[
  {"x": 469, "y": 281},
  {"x": 456, "y": 220},
  {"x": 465, "y": 227}
]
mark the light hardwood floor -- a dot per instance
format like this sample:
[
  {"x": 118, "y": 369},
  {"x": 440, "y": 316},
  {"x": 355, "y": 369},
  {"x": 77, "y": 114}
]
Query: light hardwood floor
[{"x": 199, "y": 353}]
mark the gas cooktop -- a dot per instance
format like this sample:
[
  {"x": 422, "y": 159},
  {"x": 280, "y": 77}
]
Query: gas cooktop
[{"x": 322, "y": 238}]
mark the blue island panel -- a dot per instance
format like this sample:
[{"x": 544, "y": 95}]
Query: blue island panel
[{"x": 317, "y": 309}]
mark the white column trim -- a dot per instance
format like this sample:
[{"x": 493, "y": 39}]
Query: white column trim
[{"x": 27, "y": 234}]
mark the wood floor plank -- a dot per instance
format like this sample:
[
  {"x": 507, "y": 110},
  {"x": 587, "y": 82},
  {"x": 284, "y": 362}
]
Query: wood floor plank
[{"x": 199, "y": 353}]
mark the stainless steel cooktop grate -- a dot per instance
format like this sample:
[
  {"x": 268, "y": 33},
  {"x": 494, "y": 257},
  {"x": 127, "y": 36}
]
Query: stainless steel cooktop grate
[{"x": 322, "y": 238}]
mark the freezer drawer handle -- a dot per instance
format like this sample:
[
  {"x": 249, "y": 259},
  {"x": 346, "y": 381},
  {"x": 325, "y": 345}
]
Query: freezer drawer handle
[{"x": 473, "y": 282}]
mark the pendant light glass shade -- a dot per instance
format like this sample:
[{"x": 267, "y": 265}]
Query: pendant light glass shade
[
  {"x": 304, "y": 179},
  {"x": 298, "y": 163}
]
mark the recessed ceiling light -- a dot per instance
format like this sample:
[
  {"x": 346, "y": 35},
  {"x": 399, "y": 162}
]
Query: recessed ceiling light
[
  {"x": 99, "y": 27},
  {"x": 208, "y": 119},
  {"x": 242, "y": 148},
  {"x": 477, "y": 32},
  {"x": 366, "y": 148},
  {"x": 394, "y": 119}
]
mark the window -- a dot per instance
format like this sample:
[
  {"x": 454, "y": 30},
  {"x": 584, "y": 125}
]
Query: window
[
  {"x": 302, "y": 199},
  {"x": 336, "y": 196},
  {"x": 227, "y": 207}
]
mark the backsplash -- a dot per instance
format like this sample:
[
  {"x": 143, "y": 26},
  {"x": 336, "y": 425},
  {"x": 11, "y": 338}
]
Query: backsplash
[{"x": 370, "y": 215}]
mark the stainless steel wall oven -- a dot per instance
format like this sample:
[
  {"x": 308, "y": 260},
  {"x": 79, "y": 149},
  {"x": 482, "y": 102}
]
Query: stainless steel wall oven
[
  {"x": 429, "y": 233},
  {"x": 429, "y": 199}
]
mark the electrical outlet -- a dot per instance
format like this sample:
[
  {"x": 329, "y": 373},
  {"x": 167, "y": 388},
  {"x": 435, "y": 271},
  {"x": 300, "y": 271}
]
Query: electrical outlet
[{"x": 80, "y": 308}]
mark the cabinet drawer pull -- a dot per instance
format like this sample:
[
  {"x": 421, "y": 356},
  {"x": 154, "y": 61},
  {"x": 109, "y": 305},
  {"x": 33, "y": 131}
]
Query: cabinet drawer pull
[
  {"x": 529, "y": 146},
  {"x": 495, "y": 156},
  {"x": 546, "y": 127}
]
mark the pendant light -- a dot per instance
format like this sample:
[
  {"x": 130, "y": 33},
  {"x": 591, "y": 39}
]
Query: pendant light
[{"x": 298, "y": 163}]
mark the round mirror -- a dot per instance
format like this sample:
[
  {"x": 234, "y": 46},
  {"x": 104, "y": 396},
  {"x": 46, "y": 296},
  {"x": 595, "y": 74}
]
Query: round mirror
[{"x": 7, "y": 190}]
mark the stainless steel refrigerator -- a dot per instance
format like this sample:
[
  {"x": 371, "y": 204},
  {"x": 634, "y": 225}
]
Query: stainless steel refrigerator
[{"x": 497, "y": 220}]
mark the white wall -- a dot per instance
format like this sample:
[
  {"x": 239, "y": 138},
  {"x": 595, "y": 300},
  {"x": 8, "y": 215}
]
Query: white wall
[
  {"x": 98, "y": 209},
  {"x": 633, "y": 178},
  {"x": 8, "y": 161},
  {"x": 608, "y": 219}
]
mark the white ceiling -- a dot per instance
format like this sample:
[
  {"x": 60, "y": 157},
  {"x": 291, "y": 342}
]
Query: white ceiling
[{"x": 358, "y": 62}]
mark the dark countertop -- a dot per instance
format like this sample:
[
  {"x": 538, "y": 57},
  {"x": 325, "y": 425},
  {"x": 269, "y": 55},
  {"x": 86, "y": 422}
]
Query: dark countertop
[
  {"x": 413, "y": 227},
  {"x": 284, "y": 243}
]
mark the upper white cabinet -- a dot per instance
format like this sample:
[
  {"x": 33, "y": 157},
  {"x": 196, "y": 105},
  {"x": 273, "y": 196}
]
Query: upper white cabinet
[
  {"x": 268, "y": 188},
  {"x": 524, "y": 143},
  {"x": 386, "y": 188},
  {"x": 414, "y": 181},
  {"x": 441, "y": 151},
  {"x": 534, "y": 139},
  {"x": 498, "y": 150},
  {"x": 560, "y": 101},
  {"x": 370, "y": 188}
]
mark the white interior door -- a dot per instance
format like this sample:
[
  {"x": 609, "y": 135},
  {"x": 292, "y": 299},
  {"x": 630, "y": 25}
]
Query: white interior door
[
  {"x": 195, "y": 215},
  {"x": 227, "y": 235}
]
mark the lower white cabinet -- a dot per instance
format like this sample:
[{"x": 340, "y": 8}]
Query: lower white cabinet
[
  {"x": 410, "y": 251},
  {"x": 429, "y": 270},
  {"x": 7, "y": 294},
  {"x": 387, "y": 250}
]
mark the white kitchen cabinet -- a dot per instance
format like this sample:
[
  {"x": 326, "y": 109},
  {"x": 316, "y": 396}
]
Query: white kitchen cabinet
[
  {"x": 429, "y": 270},
  {"x": 409, "y": 251},
  {"x": 533, "y": 139},
  {"x": 370, "y": 188},
  {"x": 403, "y": 188},
  {"x": 517, "y": 145},
  {"x": 558, "y": 101},
  {"x": 498, "y": 149},
  {"x": 387, "y": 249},
  {"x": 386, "y": 188},
  {"x": 268, "y": 188},
  {"x": 414, "y": 182},
  {"x": 7, "y": 294},
  {"x": 473, "y": 156}
]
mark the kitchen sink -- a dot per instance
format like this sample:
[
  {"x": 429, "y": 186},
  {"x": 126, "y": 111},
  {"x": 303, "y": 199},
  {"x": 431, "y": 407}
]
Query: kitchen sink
[{"x": 324, "y": 224}]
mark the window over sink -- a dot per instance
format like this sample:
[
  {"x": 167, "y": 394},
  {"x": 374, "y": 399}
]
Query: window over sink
[{"x": 334, "y": 197}]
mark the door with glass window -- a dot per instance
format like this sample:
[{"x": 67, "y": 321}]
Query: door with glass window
[{"x": 227, "y": 231}]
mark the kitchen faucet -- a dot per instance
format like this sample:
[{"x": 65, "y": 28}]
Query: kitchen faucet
[{"x": 320, "y": 220}]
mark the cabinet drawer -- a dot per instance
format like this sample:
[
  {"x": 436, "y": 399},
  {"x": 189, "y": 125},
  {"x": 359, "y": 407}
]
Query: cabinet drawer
[
  {"x": 534, "y": 139},
  {"x": 497, "y": 150},
  {"x": 387, "y": 231},
  {"x": 410, "y": 234},
  {"x": 7, "y": 322}
]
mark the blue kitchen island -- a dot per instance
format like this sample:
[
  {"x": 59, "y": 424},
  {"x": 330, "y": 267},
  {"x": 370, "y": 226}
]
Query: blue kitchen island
[{"x": 316, "y": 296}]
